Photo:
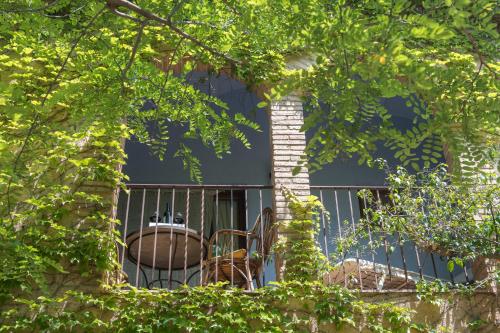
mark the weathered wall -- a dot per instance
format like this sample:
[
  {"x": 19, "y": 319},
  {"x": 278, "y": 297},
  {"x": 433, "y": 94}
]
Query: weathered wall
[
  {"x": 453, "y": 315},
  {"x": 288, "y": 144},
  {"x": 478, "y": 312},
  {"x": 287, "y": 147}
]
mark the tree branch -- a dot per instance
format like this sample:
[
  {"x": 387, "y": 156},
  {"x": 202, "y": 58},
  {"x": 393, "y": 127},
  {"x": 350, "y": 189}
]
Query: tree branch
[
  {"x": 113, "y": 6},
  {"x": 167, "y": 72},
  {"x": 174, "y": 10},
  {"x": 65, "y": 15},
  {"x": 134, "y": 51},
  {"x": 475, "y": 48}
]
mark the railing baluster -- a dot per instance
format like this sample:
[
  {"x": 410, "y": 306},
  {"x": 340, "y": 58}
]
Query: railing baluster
[
  {"x": 434, "y": 265},
  {"x": 494, "y": 218},
  {"x": 170, "y": 255},
  {"x": 247, "y": 257},
  {"x": 156, "y": 236},
  {"x": 216, "y": 236},
  {"x": 420, "y": 270},
  {"x": 202, "y": 233},
  {"x": 354, "y": 230},
  {"x": 452, "y": 277},
  {"x": 419, "y": 264},
  {"x": 324, "y": 226},
  {"x": 340, "y": 235},
  {"x": 140, "y": 239},
  {"x": 186, "y": 224},
  {"x": 232, "y": 240},
  {"x": 466, "y": 273},
  {"x": 447, "y": 259},
  {"x": 432, "y": 254},
  {"x": 125, "y": 228},
  {"x": 403, "y": 258},
  {"x": 114, "y": 213},
  {"x": 379, "y": 202},
  {"x": 370, "y": 239},
  {"x": 246, "y": 210},
  {"x": 262, "y": 240}
]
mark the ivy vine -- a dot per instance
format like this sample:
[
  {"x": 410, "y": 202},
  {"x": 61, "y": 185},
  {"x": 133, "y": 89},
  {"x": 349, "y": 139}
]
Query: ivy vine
[{"x": 284, "y": 307}]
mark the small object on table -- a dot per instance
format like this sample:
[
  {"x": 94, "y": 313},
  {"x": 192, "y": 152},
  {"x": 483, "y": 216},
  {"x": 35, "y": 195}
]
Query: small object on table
[
  {"x": 153, "y": 219},
  {"x": 179, "y": 219},
  {"x": 167, "y": 215}
]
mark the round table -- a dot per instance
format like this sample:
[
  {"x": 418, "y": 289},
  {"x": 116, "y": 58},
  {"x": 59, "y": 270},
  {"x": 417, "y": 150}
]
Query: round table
[{"x": 172, "y": 243}]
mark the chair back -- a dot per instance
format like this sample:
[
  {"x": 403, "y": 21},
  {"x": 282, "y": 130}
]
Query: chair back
[{"x": 264, "y": 231}]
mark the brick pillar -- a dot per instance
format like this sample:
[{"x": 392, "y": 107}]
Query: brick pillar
[{"x": 287, "y": 147}]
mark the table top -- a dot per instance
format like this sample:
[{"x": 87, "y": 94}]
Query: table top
[{"x": 183, "y": 243}]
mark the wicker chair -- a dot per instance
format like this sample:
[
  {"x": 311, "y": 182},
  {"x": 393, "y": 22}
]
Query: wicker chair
[{"x": 224, "y": 263}]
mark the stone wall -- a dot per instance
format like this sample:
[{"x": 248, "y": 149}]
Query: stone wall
[
  {"x": 478, "y": 312},
  {"x": 288, "y": 144},
  {"x": 287, "y": 148}
]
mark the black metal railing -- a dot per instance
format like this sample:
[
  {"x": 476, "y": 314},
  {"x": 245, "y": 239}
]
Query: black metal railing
[
  {"x": 198, "y": 234},
  {"x": 194, "y": 234},
  {"x": 379, "y": 261}
]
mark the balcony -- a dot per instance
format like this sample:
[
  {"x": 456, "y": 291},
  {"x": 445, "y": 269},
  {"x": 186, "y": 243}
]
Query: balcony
[
  {"x": 169, "y": 252},
  {"x": 197, "y": 234}
]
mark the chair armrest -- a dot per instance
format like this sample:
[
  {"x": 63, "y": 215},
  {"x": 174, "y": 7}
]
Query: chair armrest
[{"x": 216, "y": 234}]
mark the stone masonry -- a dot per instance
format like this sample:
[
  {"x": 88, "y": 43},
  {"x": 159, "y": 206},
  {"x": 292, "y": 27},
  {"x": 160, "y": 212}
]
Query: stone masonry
[{"x": 287, "y": 147}]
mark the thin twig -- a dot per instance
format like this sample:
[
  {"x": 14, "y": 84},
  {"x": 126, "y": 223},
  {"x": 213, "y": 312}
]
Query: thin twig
[
  {"x": 198, "y": 23},
  {"x": 174, "y": 10},
  {"x": 170, "y": 62},
  {"x": 471, "y": 91},
  {"x": 65, "y": 15},
  {"x": 134, "y": 50},
  {"x": 233, "y": 9},
  {"x": 475, "y": 48},
  {"x": 119, "y": 13}
]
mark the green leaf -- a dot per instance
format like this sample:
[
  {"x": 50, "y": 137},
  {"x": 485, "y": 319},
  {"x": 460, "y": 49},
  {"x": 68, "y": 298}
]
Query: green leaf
[
  {"x": 262, "y": 104},
  {"x": 451, "y": 265}
]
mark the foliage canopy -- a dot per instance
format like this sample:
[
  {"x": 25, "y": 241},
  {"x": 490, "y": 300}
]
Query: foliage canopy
[
  {"x": 101, "y": 59},
  {"x": 74, "y": 75}
]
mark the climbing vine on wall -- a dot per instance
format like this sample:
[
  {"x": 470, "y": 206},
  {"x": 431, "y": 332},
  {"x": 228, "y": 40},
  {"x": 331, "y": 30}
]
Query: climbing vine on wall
[
  {"x": 301, "y": 253},
  {"x": 285, "y": 307}
]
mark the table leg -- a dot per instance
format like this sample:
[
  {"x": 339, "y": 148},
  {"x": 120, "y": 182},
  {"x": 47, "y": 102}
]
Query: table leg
[
  {"x": 191, "y": 276},
  {"x": 145, "y": 276},
  {"x": 170, "y": 269}
]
